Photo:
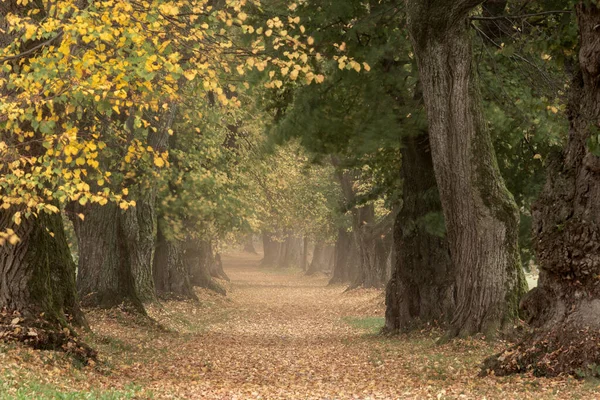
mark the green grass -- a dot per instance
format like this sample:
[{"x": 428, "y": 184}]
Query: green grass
[
  {"x": 9, "y": 389},
  {"x": 370, "y": 325}
]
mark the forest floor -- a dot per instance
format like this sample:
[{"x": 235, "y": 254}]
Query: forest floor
[{"x": 277, "y": 335}]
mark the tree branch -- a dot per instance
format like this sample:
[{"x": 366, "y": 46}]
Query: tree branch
[
  {"x": 522, "y": 16},
  {"x": 32, "y": 50}
]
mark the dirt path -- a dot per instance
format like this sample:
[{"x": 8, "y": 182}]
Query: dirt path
[
  {"x": 277, "y": 335},
  {"x": 287, "y": 336}
]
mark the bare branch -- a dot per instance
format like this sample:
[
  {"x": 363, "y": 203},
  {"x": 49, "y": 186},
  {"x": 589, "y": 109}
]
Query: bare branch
[{"x": 522, "y": 16}]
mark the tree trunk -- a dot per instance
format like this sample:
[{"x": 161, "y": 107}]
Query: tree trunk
[
  {"x": 374, "y": 244},
  {"x": 139, "y": 227},
  {"x": 292, "y": 252},
  {"x": 565, "y": 307},
  {"x": 37, "y": 274},
  {"x": 249, "y": 244},
  {"x": 422, "y": 288},
  {"x": 480, "y": 214},
  {"x": 272, "y": 250},
  {"x": 198, "y": 259},
  {"x": 304, "y": 263},
  {"x": 216, "y": 270},
  {"x": 345, "y": 258},
  {"x": 38, "y": 294},
  {"x": 170, "y": 274},
  {"x": 321, "y": 260},
  {"x": 104, "y": 278}
]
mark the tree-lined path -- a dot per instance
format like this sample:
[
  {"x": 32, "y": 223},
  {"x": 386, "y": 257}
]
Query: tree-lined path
[{"x": 277, "y": 335}]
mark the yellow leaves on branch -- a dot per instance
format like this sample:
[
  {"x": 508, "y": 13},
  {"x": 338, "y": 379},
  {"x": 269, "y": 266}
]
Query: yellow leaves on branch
[{"x": 105, "y": 69}]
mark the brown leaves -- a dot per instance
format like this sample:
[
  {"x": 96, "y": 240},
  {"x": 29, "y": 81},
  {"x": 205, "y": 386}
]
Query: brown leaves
[{"x": 281, "y": 335}]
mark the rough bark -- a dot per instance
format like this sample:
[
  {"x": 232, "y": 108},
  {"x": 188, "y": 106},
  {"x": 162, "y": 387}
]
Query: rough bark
[
  {"x": 139, "y": 228},
  {"x": 480, "y": 214},
  {"x": 37, "y": 275},
  {"x": 564, "y": 309},
  {"x": 38, "y": 295},
  {"x": 105, "y": 278},
  {"x": 198, "y": 259},
  {"x": 272, "y": 249},
  {"x": 374, "y": 244},
  {"x": 345, "y": 258},
  {"x": 422, "y": 287},
  {"x": 171, "y": 277}
]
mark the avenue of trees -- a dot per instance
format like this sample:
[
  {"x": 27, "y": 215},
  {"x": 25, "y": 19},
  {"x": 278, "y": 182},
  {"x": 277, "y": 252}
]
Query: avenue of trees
[{"x": 434, "y": 149}]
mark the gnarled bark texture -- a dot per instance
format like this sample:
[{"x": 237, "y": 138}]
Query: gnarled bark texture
[
  {"x": 481, "y": 215},
  {"x": 37, "y": 274},
  {"x": 104, "y": 276},
  {"x": 422, "y": 288},
  {"x": 565, "y": 308},
  {"x": 139, "y": 228}
]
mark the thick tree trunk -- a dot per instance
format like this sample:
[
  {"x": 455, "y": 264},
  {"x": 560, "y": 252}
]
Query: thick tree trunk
[
  {"x": 345, "y": 258},
  {"x": 139, "y": 227},
  {"x": 38, "y": 294},
  {"x": 216, "y": 270},
  {"x": 374, "y": 244},
  {"x": 481, "y": 215},
  {"x": 272, "y": 250},
  {"x": 198, "y": 260},
  {"x": 37, "y": 274},
  {"x": 171, "y": 277},
  {"x": 422, "y": 288},
  {"x": 565, "y": 307},
  {"x": 104, "y": 278},
  {"x": 322, "y": 258},
  {"x": 249, "y": 244},
  {"x": 291, "y": 256}
]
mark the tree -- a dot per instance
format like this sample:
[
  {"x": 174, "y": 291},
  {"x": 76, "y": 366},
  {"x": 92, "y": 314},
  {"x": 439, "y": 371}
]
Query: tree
[
  {"x": 480, "y": 214},
  {"x": 171, "y": 277},
  {"x": 421, "y": 289},
  {"x": 563, "y": 308}
]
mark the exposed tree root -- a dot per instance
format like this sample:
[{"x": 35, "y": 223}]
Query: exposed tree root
[
  {"x": 565, "y": 351},
  {"x": 42, "y": 335}
]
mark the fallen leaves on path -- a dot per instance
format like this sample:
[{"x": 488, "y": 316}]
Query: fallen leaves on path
[{"x": 277, "y": 335}]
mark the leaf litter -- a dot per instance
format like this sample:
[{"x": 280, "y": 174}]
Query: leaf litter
[{"x": 277, "y": 335}]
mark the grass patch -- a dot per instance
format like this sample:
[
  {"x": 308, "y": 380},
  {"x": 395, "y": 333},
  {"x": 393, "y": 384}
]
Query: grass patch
[
  {"x": 371, "y": 325},
  {"x": 27, "y": 389}
]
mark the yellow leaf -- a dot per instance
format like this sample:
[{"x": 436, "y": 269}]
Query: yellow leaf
[
  {"x": 159, "y": 162},
  {"x": 190, "y": 75},
  {"x": 17, "y": 218},
  {"x": 81, "y": 216}
]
